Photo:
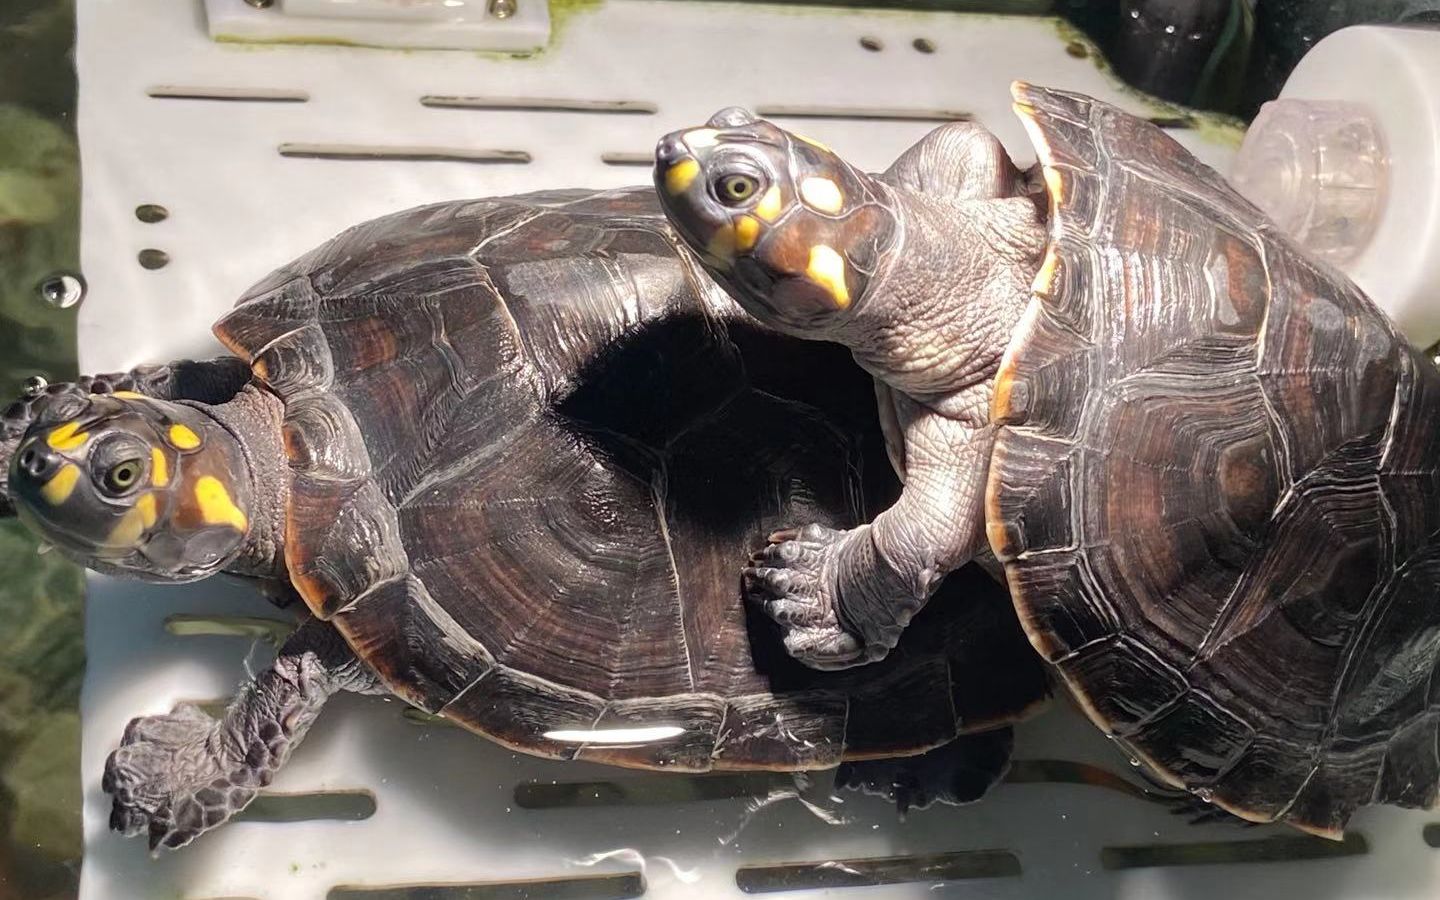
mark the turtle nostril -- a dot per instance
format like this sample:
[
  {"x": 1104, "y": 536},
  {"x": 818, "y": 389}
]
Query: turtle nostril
[
  {"x": 36, "y": 464},
  {"x": 670, "y": 149}
]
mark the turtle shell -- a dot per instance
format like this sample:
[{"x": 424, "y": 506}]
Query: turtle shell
[
  {"x": 531, "y": 447},
  {"x": 1215, "y": 491}
]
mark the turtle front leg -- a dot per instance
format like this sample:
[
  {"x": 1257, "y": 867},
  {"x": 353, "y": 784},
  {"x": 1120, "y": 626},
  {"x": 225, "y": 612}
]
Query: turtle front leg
[
  {"x": 207, "y": 381},
  {"x": 843, "y": 598},
  {"x": 178, "y": 775}
]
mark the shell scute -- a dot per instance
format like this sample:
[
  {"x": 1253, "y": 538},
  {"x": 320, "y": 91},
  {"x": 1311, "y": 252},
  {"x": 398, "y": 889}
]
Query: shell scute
[
  {"x": 1059, "y": 607},
  {"x": 296, "y": 362},
  {"x": 327, "y": 521},
  {"x": 697, "y": 716},
  {"x": 802, "y": 730},
  {"x": 546, "y": 449},
  {"x": 1138, "y": 682},
  {"x": 1196, "y": 739},
  {"x": 519, "y": 710},
  {"x": 323, "y": 440},
  {"x": 1251, "y": 481},
  {"x": 268, "y": 314},
  {"x": 412, "y": 643}
]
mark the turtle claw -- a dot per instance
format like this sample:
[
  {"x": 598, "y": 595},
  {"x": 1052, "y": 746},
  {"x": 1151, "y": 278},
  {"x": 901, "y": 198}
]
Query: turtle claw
[
  {"x": 173, "y": 778},
  {"x": 827, "y": 647},
  {"x": 793, "y": 581}
]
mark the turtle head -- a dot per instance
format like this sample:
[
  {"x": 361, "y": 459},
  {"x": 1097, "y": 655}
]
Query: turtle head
[
  {"x": 132, "y": 486},
  {"x": 793, "y": 232}
]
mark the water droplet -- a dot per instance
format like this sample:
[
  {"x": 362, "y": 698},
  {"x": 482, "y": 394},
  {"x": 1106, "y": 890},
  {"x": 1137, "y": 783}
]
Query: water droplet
[
  {"x": 1206, "y": 795},
  {"x": 1134, "y": 13},
  {"x": 1169, "y": 29},
  {"x": 1135, "y": 762},
  {"x": 62, "y": 290}
]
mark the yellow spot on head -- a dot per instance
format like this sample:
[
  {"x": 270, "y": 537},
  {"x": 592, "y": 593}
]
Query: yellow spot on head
[
  {"x": 216, "y": 507},
  {"x": 769, "y": 206},
  {"x": 159, "y": 468},
  {"x": 182, "y": 438},
  {"x": 827, "y": 269},
  {"x": 747, "y": 232},
  {"x": 67, "y": 436},
  {"x": 822, "y": 194},
  {"x": 722, "y": 244},
  {"x": 127, "y": 395},
  {"x": 680, "y": 176},
  {"x": 61, "y": 485},
  {"x": 700, "y": 138},
  {"x": 132, "y": 525}
]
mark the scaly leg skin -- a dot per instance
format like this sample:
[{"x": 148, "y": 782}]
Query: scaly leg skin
[
  {"x": 843, "y": 598},
  {"x": 177, "y": 776},
  {"x": 956, "y": 773},
  {"x": 209, "y": 381}
]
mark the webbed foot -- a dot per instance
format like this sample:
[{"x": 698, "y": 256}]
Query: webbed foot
[
  {"x": 178, "y": 775},
  {"x": 795, "y": 580}
]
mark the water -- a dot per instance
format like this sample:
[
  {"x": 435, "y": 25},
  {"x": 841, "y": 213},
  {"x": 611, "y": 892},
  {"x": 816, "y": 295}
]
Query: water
[{"x": 42, "y": 655}]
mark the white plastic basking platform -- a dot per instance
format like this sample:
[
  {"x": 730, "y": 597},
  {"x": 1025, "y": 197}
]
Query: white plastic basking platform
[{"x": 445, "y": 808}]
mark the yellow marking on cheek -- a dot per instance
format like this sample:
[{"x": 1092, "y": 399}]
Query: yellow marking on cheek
[
  {"x": 146, "y": 507},
  {"x": 769, "y": 206},
  {"x": 182, "y": 438},
  {"x": 67, "y": 436},
  {"x": 700, "y": 138},
  {"x": 61, "y": 485},
  {"x": 722, "y": 244},
  {"x": 822, "y": 194},
  {"x": 680, "y": 176},
  {"x": 159, "y": 467},
  {"x": 127, "y": 395},
  {"x": 747, "y": 232},
  {"x": 132, "y": 525},
  {"x": 216, "y": 507},
  {"x": 827, "y": 269}
]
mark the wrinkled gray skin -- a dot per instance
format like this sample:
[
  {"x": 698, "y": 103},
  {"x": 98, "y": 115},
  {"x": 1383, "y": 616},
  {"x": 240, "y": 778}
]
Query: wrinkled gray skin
[
  {"x": 177, "y": 775},
  {"x": 930, "y": 320}
]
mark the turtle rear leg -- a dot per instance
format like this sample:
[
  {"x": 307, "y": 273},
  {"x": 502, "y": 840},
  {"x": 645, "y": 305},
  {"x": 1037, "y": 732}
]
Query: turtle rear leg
[
  {"x": 956, "y": 773},
  {"x": 178, "y": 775},
  {"x": 207, "y": 381}
]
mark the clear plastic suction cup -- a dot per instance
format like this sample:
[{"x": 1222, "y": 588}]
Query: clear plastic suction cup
[{"x": 1319, "y": 169}]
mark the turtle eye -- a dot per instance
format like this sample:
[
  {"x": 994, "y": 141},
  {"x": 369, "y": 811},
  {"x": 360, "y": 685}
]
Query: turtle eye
[
  {"x": 122, "y": 476},
  {"x": 736, "y": 188}
]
